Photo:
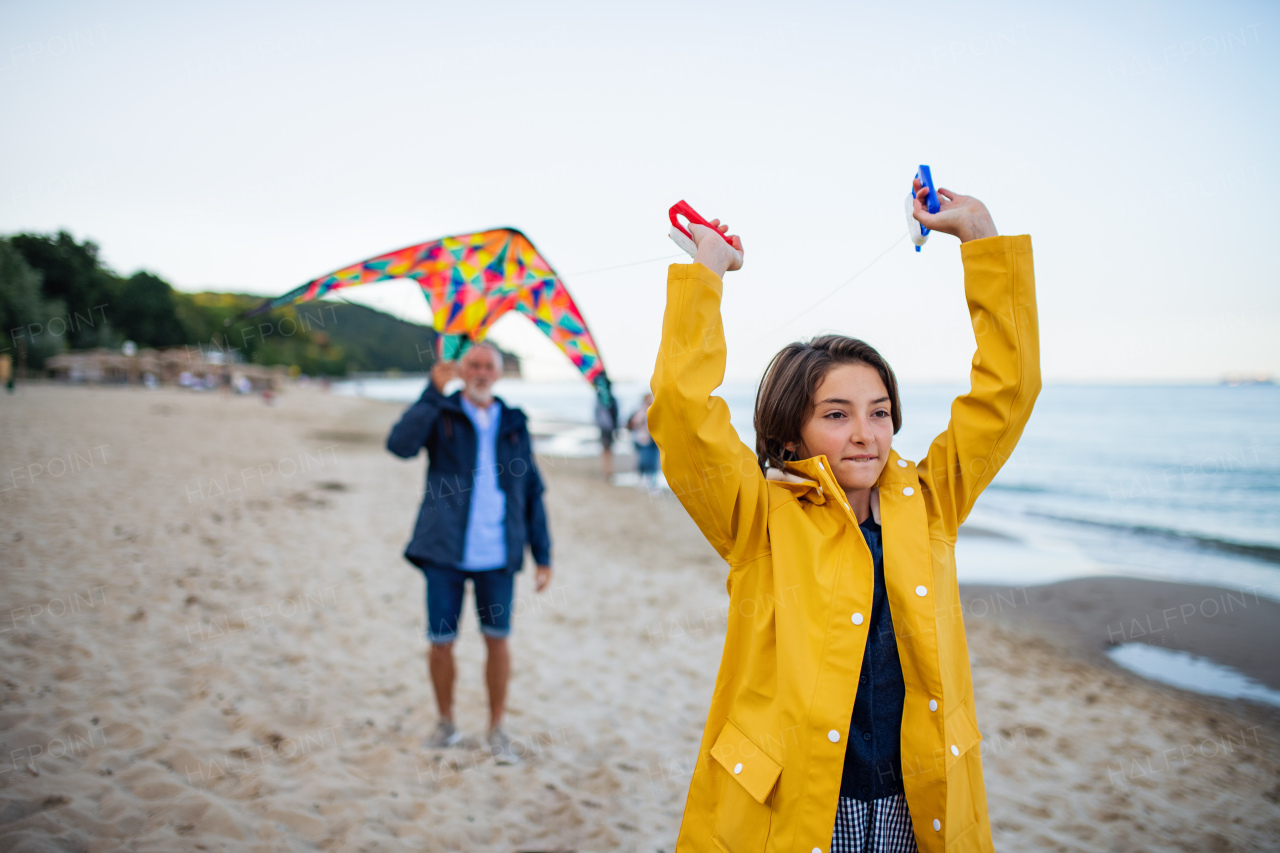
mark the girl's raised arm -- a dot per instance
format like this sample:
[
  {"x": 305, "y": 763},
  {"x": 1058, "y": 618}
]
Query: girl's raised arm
[
  {"x": 715, "y": 476},
  {"x": 986, "y": 423}
]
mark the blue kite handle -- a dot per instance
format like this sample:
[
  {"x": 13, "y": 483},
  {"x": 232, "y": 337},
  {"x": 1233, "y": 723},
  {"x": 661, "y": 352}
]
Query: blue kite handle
[
  {"x": 919, "y": 234},
  {"x": 926, "y": 178}
]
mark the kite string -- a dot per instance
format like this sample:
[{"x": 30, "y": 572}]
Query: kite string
[
  {"x": 783, "y": 325},
  {"x": 823, "y": 299},
  {"x": 621, "y": 266},
  {"x": 837, "y": 289}
]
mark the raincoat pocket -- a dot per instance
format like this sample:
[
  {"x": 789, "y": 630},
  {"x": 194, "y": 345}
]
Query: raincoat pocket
[
  {"x": 962, "y": 734},
  {"x": 964, "y": 764},
  {"x": 748, "y": 778}
]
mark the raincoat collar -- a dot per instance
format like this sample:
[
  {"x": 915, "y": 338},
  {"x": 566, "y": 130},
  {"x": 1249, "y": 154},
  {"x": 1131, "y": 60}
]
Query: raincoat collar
[{"x": 810, "y": 479}]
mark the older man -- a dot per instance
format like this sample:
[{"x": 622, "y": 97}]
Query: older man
[{"x": 482, "y": 505}]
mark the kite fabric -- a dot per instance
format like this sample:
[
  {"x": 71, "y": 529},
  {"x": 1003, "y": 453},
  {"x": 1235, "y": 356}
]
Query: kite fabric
[{"x": 470, "y": 280}]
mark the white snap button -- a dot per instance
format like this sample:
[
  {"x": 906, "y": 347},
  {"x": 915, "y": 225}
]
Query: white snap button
[
  {"x": 921, "y": 591},
  {"x": 820, "y": 468},
  {"x": 817, "y": 850},
  {"x": 737, "y": 768},
  {"x": 902, "y": 463},
  {"x": 933, "y": 704},
  {"x": 937, "y": 825},
  {"x": 856, "y": 618},
  {"x": 908, "y": 491},
  {"x": 955, "y": 750},
  {"x": 833, "y": 736}
]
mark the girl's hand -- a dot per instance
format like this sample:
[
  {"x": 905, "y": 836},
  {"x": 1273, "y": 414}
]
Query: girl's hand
[
  {"x": 713, "y": 252},
  {"x": 961, "y": 215}
]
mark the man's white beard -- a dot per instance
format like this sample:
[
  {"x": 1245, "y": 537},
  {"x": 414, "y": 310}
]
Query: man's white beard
[{"x": 480, "y": 398}]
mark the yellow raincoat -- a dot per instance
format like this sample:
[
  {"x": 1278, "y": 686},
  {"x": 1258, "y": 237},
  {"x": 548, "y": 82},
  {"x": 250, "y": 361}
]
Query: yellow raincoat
[{"x": 800, "y": 581}]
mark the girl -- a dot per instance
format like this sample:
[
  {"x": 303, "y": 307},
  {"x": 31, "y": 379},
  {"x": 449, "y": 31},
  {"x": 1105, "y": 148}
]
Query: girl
[{"x": 842, "y": 717}]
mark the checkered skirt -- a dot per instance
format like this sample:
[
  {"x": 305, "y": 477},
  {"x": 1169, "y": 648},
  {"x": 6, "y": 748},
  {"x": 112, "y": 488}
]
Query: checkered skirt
[{"x": 880, "y": 826}]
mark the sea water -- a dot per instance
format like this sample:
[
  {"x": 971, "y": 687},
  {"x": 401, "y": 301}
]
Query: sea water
[
  {"x": 1191, "y": 672},
  {"x": 1170, "y": 482}
]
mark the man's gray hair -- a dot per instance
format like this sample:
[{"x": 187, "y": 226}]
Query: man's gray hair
[{"x": 497, "y": 353}]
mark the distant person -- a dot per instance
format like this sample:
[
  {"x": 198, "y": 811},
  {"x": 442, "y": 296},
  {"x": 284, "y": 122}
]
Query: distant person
[
  {"x": 482, "y": 506},
  {"x": 607, "y": 421},
  {"x": 843, "y": 714},
  {"x": 646, "y": 450}
]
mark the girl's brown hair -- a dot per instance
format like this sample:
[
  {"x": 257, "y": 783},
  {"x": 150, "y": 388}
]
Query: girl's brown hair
[{"x": 785, "y": 398}]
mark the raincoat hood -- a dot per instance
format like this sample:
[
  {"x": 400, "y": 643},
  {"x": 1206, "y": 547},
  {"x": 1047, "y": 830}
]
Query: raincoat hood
[{"x": 806, "y": 485}]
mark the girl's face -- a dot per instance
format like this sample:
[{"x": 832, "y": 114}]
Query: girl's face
[{"x": 851, "y": 424}]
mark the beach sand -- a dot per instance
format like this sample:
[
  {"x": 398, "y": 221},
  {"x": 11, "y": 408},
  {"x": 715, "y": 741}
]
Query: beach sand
[{"x": 211, "y": 642}]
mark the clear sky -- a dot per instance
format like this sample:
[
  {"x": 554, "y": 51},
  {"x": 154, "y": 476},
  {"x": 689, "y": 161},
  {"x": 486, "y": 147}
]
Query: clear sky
[{"x": 253, "y": 146}]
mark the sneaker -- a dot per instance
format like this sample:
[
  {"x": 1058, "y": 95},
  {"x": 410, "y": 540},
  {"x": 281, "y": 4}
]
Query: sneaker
[
  {"x": 445, "y": 736},
  {"x": 500, "y": 746}
]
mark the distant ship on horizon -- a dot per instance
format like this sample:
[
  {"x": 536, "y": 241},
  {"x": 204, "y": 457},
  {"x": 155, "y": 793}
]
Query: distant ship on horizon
[{"x": 1236, "y": 379}]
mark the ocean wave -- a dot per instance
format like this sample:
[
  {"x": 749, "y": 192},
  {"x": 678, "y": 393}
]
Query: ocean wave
[
  {"x": 1025, "y": 488},
  {"x": 1254, "y": 550}
]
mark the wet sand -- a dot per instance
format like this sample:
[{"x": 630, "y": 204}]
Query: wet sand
[
  {"x": 1235, "y": 627},
  {"x": 211, "y": 642}
]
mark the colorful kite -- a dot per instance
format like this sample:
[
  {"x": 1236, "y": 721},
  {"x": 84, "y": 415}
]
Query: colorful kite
[{"x": 470, "y": 281}]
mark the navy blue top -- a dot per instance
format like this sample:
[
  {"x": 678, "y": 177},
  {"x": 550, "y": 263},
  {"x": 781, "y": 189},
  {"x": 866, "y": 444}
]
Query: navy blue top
[{"x": 872, "y": 756}]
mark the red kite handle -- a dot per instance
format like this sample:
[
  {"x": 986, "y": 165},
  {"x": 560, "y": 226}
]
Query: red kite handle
[{"x": 682, "y": 208}]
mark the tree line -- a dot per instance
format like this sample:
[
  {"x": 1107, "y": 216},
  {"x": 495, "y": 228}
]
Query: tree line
[{"x": 57, "y": 295}]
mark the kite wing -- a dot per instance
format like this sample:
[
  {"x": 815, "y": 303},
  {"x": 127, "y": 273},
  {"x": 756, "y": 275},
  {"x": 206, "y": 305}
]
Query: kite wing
[{"x": 471, "y": 280}]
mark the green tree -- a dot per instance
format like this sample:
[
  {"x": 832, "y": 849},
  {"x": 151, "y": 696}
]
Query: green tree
[
  {"x": 25, "y": 314},
  {"x": 146, "y": 314},
  {"x": 72, "y": 275}
]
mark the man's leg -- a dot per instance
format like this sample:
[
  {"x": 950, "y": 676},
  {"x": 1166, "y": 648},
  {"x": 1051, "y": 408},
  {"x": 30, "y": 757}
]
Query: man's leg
[
  {"x": 444, "y": 607},
  {"x": 606, "y": 453},
  {"x": 495, "y": 593},
  {"x": 497, "y": 672},
  {"x": 441, "y": 669}
]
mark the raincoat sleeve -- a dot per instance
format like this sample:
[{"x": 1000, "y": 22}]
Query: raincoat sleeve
[
  {"x": 714, "y": 474},
  {"x": 410, "y": 434},
  {"x": 999, "y": 286}
]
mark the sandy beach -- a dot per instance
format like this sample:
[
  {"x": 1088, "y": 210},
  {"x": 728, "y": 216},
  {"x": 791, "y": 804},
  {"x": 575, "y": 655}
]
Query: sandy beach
[{"x": 211, "y": 642}]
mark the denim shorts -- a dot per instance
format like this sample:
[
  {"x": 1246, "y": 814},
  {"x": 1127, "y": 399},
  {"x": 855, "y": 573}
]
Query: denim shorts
[
  {"x": 647, "y": 458},
  {"x": 494, "y": 589}
]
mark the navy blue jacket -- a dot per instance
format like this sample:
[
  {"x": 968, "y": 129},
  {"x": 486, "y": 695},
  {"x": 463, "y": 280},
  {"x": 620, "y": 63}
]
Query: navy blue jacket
[{"x": 439, "y": 424}]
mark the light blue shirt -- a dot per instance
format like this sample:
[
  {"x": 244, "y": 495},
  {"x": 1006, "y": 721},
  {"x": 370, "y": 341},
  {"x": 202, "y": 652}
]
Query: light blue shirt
[{"x": 485, "y": 546}]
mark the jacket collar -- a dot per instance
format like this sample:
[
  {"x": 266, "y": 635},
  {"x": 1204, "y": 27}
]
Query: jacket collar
[{"x": 810, "y": 479}]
